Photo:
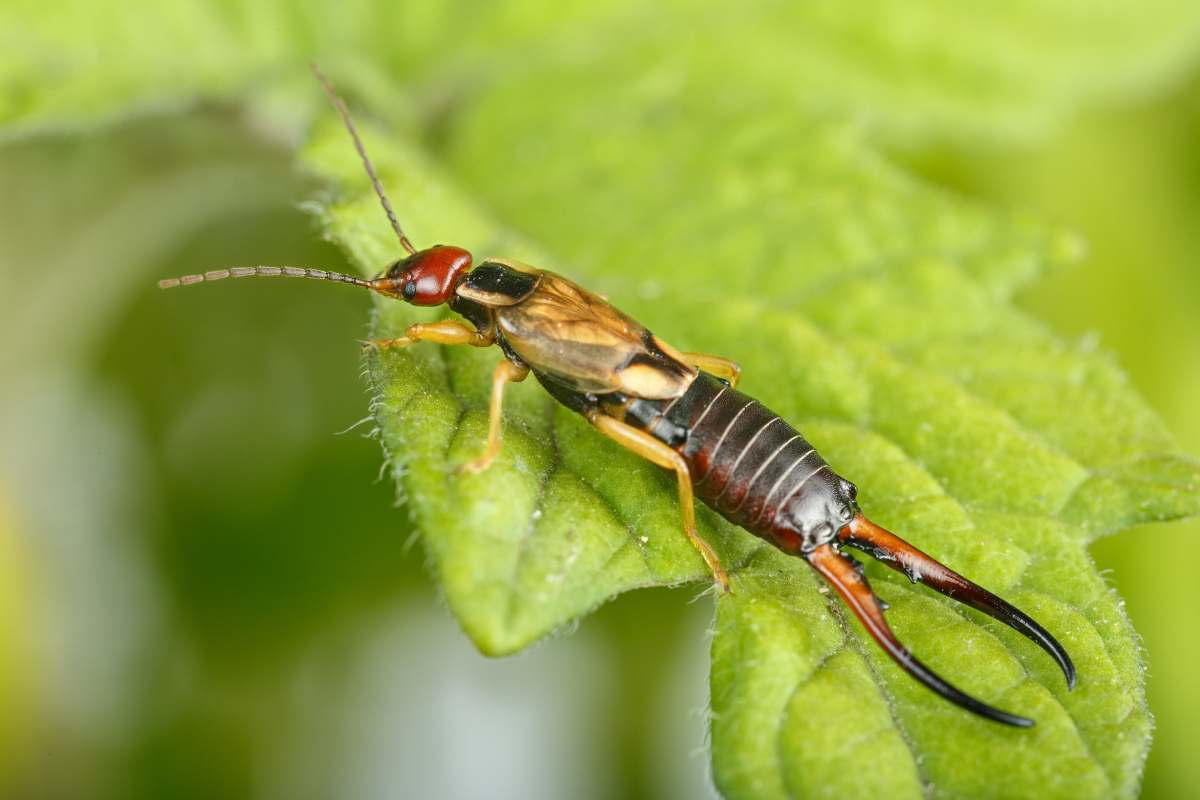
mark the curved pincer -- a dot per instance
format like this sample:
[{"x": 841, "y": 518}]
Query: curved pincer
[
  {"x": 843, "y": 575},
  {"x": 901, "y": 556}
]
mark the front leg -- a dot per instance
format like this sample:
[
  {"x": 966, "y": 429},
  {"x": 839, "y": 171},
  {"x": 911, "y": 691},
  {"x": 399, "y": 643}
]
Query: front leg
[
  {"x": 448, "y": 332},
  {"x": 506, "y": 372},
  {"x": 716, "y": 365}
]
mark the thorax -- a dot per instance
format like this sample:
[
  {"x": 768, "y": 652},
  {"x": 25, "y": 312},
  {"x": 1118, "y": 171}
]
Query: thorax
[{"x": 573, "y": 336}]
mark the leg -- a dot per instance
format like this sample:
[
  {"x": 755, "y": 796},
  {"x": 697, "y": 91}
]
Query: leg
[
  {"x": 506, "y": 372},
  {"x": 651, "y": 449},
  {"x": 448, "y": 332},
  {"x": 717, "y": 365}
]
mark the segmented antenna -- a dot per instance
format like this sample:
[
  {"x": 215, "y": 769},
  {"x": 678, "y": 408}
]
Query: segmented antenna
[
  {"x": 362, "y": 152},
  {"x": 269, "y": 272}
]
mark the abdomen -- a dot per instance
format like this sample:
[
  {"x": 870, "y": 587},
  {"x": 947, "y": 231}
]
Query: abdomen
[{"x": 746, "y": 461}]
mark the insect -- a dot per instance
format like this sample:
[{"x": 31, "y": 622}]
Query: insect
[{"x": 679, "y": 410}]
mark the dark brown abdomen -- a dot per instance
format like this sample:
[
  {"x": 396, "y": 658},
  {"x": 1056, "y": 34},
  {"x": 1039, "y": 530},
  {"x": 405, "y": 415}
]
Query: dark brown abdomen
[{"x": 746, "y": 461}]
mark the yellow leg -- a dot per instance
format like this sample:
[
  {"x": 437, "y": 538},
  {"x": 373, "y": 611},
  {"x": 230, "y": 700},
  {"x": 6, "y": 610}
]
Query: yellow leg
[
  {"x": 717, "y": 365},
  {"x": 506, "y": 372},
  {"x": 448, "y": 332},
  {"x": 651, "y": 449}
]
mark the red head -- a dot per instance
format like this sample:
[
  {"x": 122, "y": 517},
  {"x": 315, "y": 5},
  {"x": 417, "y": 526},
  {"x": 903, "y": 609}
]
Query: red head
[{"x": 427, "y": 277}]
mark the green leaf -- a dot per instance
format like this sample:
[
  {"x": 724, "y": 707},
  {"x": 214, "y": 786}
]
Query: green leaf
[
  {"x": 887, "y": 332},
  {"x": 723, "y": 176}
]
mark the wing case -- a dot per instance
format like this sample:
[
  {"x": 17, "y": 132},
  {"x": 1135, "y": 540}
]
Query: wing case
[{"x": 579, "y": 339}]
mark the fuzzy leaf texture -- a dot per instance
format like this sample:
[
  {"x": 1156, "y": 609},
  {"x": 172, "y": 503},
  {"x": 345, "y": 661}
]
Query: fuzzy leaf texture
[{"x": 722, "y": 176}]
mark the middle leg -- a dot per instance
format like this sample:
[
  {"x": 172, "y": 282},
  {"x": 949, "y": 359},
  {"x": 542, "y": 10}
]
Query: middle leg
[{"x": 506, "y": 372}]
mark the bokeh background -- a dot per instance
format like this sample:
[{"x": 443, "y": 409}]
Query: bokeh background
[{"x": 207, "y": 591}]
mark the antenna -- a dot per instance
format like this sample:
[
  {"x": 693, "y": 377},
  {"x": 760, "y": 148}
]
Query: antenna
[
  {"x": 362, "y": 152},
  {"x": 270, "y": 272}
]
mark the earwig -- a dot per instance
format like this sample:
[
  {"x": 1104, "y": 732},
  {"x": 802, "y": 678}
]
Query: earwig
[{"x": 681, "y": 411}]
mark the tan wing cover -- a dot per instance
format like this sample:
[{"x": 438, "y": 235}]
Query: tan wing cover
[{"x": 578, "y": 338}]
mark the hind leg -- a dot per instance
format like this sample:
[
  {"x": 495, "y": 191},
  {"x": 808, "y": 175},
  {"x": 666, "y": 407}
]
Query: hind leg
[
  {"x": 651, "y": 449},
  {"x": 716, "y": 365}
]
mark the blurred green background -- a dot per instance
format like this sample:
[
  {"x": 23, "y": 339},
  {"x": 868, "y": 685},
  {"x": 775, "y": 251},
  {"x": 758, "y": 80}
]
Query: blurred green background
[{"x": 205, "y": 589}]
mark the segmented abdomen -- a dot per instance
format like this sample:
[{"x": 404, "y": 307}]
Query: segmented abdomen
[{"x": 746, "y": 461}]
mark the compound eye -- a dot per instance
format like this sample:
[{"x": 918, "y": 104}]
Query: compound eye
[{"x": 410, "y": 290}]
